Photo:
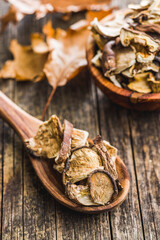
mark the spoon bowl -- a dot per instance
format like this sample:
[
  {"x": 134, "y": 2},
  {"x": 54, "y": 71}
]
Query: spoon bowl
[
  {"x": 124, "y": 97},
  {"x": 26, "y": 126}
]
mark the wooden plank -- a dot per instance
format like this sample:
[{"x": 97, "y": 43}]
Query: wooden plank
[
  {"x": 1, "y": 170},
  {"x": 76, "y": 102},
  {"x": 146, "y": 146},
  {"x": 12, "y": 224},
  {"x": 39, "y": 211},
  {"x": 126, "y": 220}
]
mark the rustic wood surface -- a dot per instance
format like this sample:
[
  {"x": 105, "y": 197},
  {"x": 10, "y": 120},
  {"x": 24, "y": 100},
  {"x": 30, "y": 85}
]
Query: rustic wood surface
[{"x": 27, "y": 209}]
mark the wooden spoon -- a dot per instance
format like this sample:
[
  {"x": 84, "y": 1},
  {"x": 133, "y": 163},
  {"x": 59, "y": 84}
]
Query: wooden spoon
[{"x": 26, "y": 126}]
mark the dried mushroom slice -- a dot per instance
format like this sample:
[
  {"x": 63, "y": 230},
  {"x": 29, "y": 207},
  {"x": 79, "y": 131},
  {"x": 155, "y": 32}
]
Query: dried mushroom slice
[
  {"x": 79, "y": 138},
  {"x": 100, "y": 40},
  {"x": 125, "y": 58},
  {"x": 107, "y": 161},
  {"x": 108, "y": 57},
  {"x": 129, "y": 36},
  {"x": 140, "y": 68},
  {"x": 80, "y": 164},
  {"x": 144, "y": 4},
  {"x": 66, "y": 143},
  {"x": 116, "y": 60},
  {"x": 154, "y": 84},
  {"x": 140, "y": 83},
  {"x": 47, "y": 142},
  {"x": 111, "y": 150},
  {"x": 111, "y": 26},
  {"x": 114, "y": 80},
  {"x": 102, "y": 187},
  {"x": 97, "y": 59},
  {"x": 80, "y": 194},
  {"x": 155, "y": 7},
  {"x": 148, "y": 28},
  {"x": 59, "y": 167}
]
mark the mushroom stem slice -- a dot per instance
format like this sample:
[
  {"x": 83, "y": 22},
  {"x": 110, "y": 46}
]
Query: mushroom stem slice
[
  {"x": 107, "y": 161},
  {"x": 108, "y": 57},
  {"x": 102, "y": 187},
  {"x": 79, "y": 194},
  {"x": 66, "y": 143}
]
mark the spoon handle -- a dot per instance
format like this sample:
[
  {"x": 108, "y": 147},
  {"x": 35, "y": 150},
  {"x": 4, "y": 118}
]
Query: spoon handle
[{"x": 23, "y": 123}]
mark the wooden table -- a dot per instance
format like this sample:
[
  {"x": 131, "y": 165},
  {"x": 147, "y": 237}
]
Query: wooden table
[{"x": 27, "y": 209}]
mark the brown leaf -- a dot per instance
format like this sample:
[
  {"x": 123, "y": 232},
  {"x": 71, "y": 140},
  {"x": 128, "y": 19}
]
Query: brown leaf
[
  {"x": 21, "y": 8},
  {"x": 68, "y": 56},
  {"x": 76, "y": 6},
  {"x": 63, "y": 6},
  {"x": 27, "y": 65}
]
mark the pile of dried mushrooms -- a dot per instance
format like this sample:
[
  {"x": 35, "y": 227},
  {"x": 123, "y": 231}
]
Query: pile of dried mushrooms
[
  {"x": 87, "y": 167},
  {"x": 128, "y": 43}
]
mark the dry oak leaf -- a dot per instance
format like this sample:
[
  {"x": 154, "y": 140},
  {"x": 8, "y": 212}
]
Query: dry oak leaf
[
  {"x": 26, "y": 65},
  {"x": 19, "y": 8},
  {"x": 68, "y": 56},
  {"x": 63, "y": 6}
]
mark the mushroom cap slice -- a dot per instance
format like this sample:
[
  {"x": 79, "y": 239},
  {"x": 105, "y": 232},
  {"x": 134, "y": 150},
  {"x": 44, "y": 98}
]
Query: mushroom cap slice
[
  {"x": 125, "y": 58},
  {"x": 140, "y": 83},
  {"x": 102, "y": 187},
  {"x": 144, "y": 4},
  {"x": 140, "y": 68},
  {"x": 80, "y": 164},
  {"x": 105, "y": 31},
  {"x": 111, "y": 26},
  {"x": 117, "y": 59},
  {"x": 80, "y": 194},
  {"x": 66, "y": 143},
  {"x": 47, "y": 141},
  {"x": 79, "y": 138},
  {"x": 129, "y": 36},
  {"x": 100, "y": 40},
  {"x": 154, "y": 84}
]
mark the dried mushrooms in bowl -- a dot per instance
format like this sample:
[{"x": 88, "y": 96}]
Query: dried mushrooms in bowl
[
  {"x": 92, "y": 175},
  {"x": 123, "y": 54}
]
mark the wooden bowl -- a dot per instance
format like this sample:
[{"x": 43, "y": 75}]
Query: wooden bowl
[{"x": 126, "y": 98}]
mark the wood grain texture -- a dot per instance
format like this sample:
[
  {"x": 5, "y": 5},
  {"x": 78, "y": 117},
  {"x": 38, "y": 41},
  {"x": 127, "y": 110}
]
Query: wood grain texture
[
  {"x": 147, "y": 166},
  {"x": 1, "y": 171}
]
